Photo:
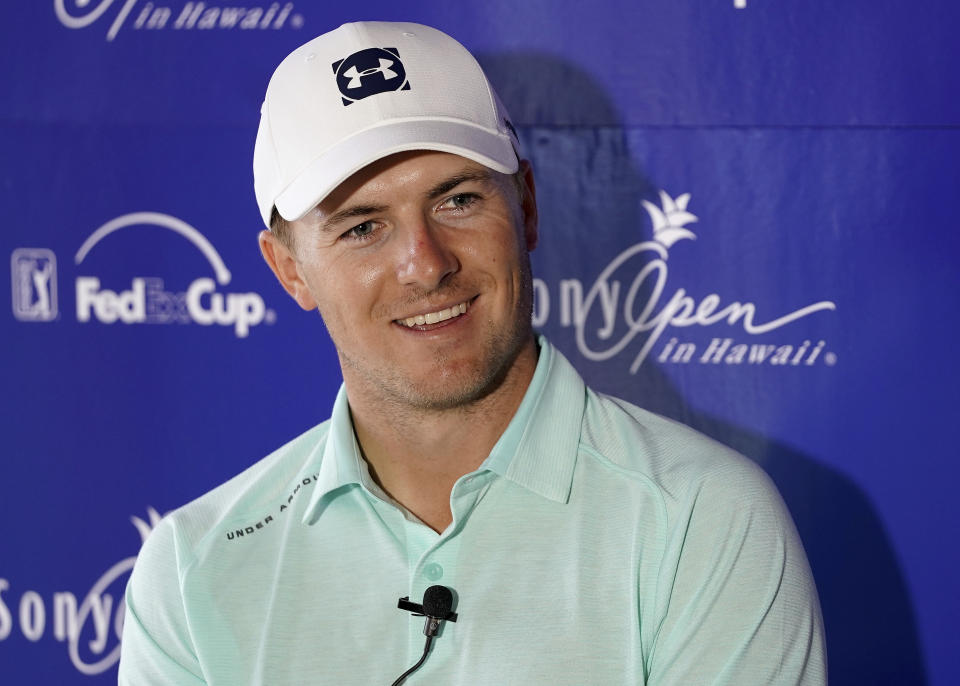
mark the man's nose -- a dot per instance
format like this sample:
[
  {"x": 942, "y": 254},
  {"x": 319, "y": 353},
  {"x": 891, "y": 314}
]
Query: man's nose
[{"x": 426, "y": 257}]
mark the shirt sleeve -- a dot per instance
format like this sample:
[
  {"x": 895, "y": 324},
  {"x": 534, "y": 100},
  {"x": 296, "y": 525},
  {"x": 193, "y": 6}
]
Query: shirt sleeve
[
  {"x": 157, "y": 648},
  {"x": 738, "y": 602}
]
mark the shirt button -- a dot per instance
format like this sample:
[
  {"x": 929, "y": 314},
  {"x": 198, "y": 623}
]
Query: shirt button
[{"x": 433, "y": 571}]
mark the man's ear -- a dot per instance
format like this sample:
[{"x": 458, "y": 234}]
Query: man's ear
[
  {"x": 528, "y": 204},
  {"x": 286, "y": 268}
]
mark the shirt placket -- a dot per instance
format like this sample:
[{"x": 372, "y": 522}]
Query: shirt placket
[{"x": 432, "y": 558}]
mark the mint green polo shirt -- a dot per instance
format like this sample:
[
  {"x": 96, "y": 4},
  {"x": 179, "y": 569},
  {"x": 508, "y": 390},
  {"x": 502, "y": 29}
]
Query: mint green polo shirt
[{"x": 597, "y": 544}]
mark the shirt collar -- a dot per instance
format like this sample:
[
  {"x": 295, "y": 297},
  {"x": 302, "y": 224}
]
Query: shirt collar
[
  {"x": 538, "y": 449},
  {"x": 341, "y": 464}
]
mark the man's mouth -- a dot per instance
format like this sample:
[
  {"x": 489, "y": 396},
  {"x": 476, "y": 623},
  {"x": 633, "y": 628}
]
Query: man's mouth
[{"x": 435, "y": 317}]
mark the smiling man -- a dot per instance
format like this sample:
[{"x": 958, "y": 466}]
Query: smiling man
[
  {"x": 419, "y": 266},
  {"x": 582, "y": 539}
]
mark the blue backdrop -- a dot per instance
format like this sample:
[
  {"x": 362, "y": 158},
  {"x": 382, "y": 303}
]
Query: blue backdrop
[{"x": 746, "y": 225}]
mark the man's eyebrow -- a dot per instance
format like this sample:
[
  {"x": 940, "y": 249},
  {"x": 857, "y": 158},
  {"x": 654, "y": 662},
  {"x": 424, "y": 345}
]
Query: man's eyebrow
[
  {"x": 441, "y": 188},
  {"x": 356, "y": 211},
  {"x": 449, "y": 184}
]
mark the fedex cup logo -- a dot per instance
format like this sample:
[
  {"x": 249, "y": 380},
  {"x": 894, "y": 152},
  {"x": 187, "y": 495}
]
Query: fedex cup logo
[{"x": 147, "y": 301}]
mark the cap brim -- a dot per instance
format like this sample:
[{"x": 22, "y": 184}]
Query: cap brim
[{"x": 491, "y": 149}]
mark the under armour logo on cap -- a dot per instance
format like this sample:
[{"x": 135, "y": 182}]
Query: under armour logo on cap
[{"x": 368, "y": 72}]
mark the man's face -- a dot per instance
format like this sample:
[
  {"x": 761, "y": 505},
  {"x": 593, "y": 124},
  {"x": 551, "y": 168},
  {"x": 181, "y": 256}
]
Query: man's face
[{"x": 419, "y": 265}]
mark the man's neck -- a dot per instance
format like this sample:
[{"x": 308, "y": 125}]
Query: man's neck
[{"x": 416, "y": 455}]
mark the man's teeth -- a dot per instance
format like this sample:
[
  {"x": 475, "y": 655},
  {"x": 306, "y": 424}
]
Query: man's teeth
[{"x": 434, "y": 317}]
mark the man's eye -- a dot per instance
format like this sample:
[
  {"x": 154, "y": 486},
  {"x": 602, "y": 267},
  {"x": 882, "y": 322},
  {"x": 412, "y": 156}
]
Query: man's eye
[
  {"x": 359, "y": 231},
  {"x": 460, "y": 201}
]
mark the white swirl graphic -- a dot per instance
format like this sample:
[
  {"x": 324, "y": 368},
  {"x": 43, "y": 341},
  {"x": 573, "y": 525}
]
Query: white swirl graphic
[
  {"x": 167, "y": 222},
  {"x": 78, "y": 22},
  {"x": 105, "y": 663}
]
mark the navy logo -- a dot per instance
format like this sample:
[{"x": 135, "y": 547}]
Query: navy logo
[{"x": 368, "y": 72}]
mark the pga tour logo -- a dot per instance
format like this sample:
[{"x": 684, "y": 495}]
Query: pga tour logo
[
  {"x": 33, "y": 273},
  {"x": 146, "y": 301}
]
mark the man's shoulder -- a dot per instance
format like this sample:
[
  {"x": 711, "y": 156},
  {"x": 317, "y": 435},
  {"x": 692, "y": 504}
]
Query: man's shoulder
[
  {"x": 667, "y": 455},
  {"x": 258, "y": 488},
  {"x": 724, "y": 560}
]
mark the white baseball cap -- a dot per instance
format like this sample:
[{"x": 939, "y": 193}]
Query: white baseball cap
[{"x": 362, "y": 92}]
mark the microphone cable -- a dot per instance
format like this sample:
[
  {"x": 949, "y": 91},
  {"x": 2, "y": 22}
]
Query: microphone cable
[{"x": 423, "y": 658}]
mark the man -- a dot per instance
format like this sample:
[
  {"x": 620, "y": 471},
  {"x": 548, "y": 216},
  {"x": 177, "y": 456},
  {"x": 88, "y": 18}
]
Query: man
[{"x": 585, "y": 541}]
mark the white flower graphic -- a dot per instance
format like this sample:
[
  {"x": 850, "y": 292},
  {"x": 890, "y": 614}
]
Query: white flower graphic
[{"x": 670, "y": 220}]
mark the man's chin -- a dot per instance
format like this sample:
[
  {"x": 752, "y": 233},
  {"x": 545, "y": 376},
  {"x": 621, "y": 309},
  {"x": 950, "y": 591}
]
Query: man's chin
[
  {"x": 448, "y": 391},
  {"x": 455, "y": 383},
  {"x": 457, "y": 378}
]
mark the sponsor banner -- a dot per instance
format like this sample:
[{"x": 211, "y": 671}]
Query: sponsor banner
[{"x": 745, "y": 224}]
